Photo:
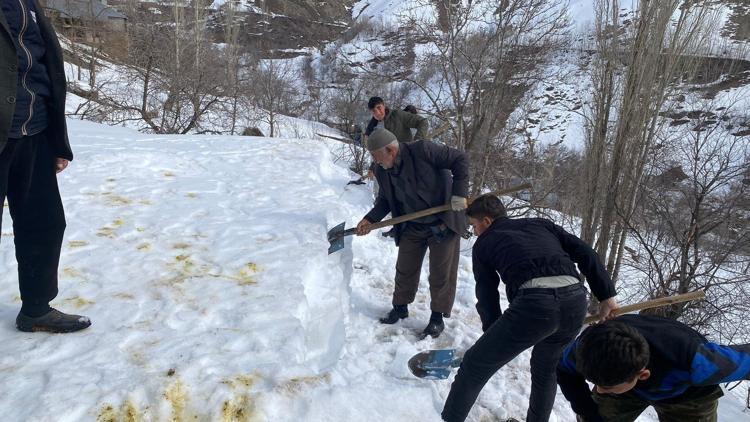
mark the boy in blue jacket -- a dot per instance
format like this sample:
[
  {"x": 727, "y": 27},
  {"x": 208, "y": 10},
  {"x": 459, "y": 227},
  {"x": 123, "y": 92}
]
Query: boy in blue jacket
[{"x": 637, "y": 361}]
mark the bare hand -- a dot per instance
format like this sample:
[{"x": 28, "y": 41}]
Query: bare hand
[
  {"x": 61, "y": 164},
  {"x": 363, "y": 227},
  {"x": 606, "y": 307}
]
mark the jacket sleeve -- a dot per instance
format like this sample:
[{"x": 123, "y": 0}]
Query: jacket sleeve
[
  {"x": 381, "y": 208},
  {"x": 444, "y": 157},
  {"x": 371, "y": 126},
  {"x": 588, "y": 263},
  {"x": 417, "y": 122},
  {"x": 715, "y": 364},
  {"x": 574, "y": 387},
  {"x": 488, "y": 298}
]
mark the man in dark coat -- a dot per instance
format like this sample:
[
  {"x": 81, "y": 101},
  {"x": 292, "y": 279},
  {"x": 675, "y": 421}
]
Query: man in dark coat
[
  {"x": 536, "y": 260},
  {"x": 33, "y": 148},
  {"x": 398, "y": 122},
  {"x": 414, "y": 176}
]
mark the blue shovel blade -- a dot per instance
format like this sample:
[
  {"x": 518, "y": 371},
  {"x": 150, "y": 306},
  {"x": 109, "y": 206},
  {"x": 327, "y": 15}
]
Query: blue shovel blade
[
  {"x": 336, "y": 238},
  {"x": 438, "y": 359},
  {"x": 434, "y": 364}
]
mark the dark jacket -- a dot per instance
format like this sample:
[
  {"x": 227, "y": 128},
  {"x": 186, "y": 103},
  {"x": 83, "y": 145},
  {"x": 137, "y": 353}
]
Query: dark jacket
[
  {"x": 424, "y": 166},
  {"x": 682, "y": 363},
  {"x": 400, "y": 124},
  {"x": 53, "y": 62},
  {"x": 520, "y": 249}
]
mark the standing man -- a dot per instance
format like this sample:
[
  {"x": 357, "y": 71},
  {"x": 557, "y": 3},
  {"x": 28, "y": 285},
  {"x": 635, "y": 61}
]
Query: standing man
[
  {"x": 396, "y": 121},
  {"x": 412, "y": 177},
  {"x": 637, "y": 361},
  {"x": 536, "y": 259},
  {"x": 33, "y": 148}
]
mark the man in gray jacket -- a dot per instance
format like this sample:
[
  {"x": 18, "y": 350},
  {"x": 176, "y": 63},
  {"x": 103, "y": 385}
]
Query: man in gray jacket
[
  {"x": 33, "y": 148},
  {"x": 412, "y": 177}
]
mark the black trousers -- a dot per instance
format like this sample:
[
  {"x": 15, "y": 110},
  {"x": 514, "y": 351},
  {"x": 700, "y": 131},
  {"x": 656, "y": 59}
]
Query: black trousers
[
  {"x": 29, "y": 181},
  {"x": 547, "y": 319}
]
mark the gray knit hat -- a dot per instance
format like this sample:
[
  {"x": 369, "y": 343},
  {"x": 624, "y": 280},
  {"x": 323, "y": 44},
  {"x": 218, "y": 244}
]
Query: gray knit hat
[{"x": 379, "y": 138}]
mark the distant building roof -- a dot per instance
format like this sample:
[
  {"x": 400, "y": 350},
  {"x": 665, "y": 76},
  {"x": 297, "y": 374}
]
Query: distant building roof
[{"x": 84, "y": 9}]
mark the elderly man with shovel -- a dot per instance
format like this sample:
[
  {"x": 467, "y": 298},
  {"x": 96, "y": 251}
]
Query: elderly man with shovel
[{"x": 415, "y": 176}]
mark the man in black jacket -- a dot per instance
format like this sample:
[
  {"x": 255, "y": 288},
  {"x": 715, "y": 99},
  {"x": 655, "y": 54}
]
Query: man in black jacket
[
  {"x": 536, "y": 260},
  {"x": 637, "y": 361},
  {"x": 33, "y": 148},
  {"x": 412, "y": 177}
]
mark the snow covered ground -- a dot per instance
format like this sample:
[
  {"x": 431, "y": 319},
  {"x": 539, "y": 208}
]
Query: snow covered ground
[{"x": 202, "y": 263}]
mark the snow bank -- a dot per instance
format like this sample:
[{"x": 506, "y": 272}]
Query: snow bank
[{"x": 202, "y": 262}]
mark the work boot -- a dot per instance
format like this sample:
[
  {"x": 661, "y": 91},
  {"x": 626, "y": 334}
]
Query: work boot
[
  {"x": 53, "y": 321},
  {"x": 436, "y": 325},
  {"x": 398, "y": 312}
]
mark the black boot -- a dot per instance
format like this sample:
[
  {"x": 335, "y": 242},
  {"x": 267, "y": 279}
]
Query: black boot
[
  {"x": 436, "y": 325},
  {"x": 53, "y": 321},
  {"x": 398, "y": 312}
]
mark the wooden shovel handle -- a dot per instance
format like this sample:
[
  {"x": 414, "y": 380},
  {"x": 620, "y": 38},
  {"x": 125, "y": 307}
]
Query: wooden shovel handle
[
  {"x": 654, "y": 303},
  {"x": 442, "y": 208}
]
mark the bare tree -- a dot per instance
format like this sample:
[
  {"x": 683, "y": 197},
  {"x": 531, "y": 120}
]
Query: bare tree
[
  {"x": 236, "y": 65},
  {"x": 475, "y": 62},
  {"x": 484, "y": 56},
  {"x": 655, "y": 52},
  {"x": 690, "y": 223},
  {"x": 154, "y": 86},
  {"x": 273, "y": 91}
]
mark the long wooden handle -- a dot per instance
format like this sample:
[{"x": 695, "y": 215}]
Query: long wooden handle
[
  {"x": 654, "y": 303},
  {"x": 501, "y": 192},
  {"x": 442, "y": 208}
]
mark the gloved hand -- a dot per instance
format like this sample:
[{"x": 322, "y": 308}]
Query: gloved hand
[{"x": 458, "y": 203}]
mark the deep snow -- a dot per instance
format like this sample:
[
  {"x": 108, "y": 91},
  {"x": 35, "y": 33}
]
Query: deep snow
[{"x": 202, "y": 263}]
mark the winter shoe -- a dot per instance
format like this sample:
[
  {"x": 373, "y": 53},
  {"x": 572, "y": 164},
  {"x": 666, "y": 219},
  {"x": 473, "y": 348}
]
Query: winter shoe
[
  {"x": 434, "y": 328},
  {"x": 436, "y": 325},
  {"x": 53, "y": 321},
  {"x": 398, "y": 312}
]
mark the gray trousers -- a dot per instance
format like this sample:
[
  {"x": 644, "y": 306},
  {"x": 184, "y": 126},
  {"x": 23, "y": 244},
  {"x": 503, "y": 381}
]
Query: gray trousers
[{"x": 413, "y": 245}]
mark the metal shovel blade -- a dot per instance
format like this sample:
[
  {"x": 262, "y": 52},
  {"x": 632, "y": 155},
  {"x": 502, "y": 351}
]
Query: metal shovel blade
[
  {"x": 336, "y": 238},
  {"x": 434, "y": 364}
]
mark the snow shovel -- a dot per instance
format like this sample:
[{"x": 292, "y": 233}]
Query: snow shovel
[
  {"x": 437, "y": 364},
  {"x": 336, "y": 235}
]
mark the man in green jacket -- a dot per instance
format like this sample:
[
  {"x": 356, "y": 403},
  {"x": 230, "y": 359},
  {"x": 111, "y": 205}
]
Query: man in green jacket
[
  {"x": 398, "y": 122},
  {"x": 33, "y": 148}
]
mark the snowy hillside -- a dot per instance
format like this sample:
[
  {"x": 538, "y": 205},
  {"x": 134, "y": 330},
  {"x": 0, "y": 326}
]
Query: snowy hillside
[{"x": 202, "y": 263}]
